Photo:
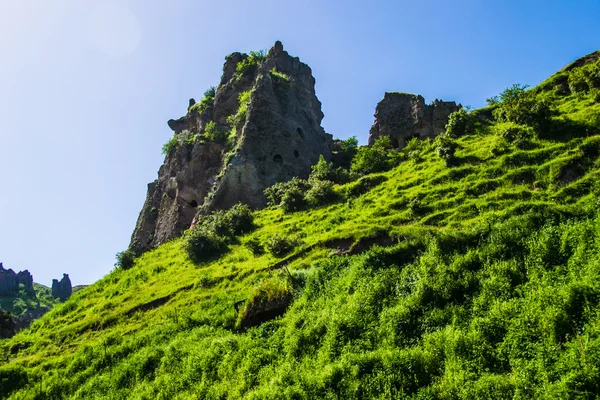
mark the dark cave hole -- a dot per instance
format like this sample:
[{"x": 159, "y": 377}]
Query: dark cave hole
[
  {"x": 296, "y": 153},
  {"x": 277, "y": 158},
  {"x": 194, "y": 203},
  {"x": 300, "y": 132}
]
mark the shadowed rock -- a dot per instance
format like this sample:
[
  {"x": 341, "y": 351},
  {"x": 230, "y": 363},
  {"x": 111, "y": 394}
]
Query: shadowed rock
[
  {"x": 10, "y": 281},
  {"x": 62, "y": 289}
]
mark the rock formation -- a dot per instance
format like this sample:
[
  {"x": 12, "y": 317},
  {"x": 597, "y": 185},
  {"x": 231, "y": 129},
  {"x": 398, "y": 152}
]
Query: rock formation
[
  {"x": 10, "y": 281},
  {"x": 279, "y": 136},
  {"x": 403, "y": 116},
  {"x": 62, "y": 289}
]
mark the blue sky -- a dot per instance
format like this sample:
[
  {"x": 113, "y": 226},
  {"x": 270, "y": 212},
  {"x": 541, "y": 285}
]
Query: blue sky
[{"x": 86, "y": 88}]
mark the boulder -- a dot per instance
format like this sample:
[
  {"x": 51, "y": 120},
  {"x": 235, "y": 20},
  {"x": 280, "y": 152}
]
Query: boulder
[{"x": 403, "y": 116}]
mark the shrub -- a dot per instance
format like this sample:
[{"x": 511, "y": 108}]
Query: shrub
[
  {"x": 459, "y": 123},
  {"x": 519, "y": 135},
  {"x": 520, "y": 106},
  {"x": 237, "y": 119},
  {"x": 349, "y": 144},
  {"x": 445, "y": 148},
  {"x": 325, "y": 171},
  {"x": 250, "y": 63},
  {"x": 279, "y": 245},
  {"x": 293, "y": 199},
  {"x": 321, "y": 192},
  {"x": 125, "y": 259},
  {"x": 230, "y": 223},
  {"x": 215, "y": 135},
  {"x": 170, "y": 146},
  {"x": 275, "y": 194},
  {"x": 577, "y": 81},
  {"x": 585, "y": 78},
  {"x": 238, "y": 219},
  {"x": 201, "y": 243},
  {"x": 255, "y": 246},
  {"x": 210, "y": 92},
  {"x": 279, "y": 75},
  {"x": 213, "y": 232},
  {"x": 373, "y": 159}
]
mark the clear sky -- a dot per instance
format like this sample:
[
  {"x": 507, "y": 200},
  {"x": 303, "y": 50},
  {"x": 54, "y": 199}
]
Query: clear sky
[{"x": 86, "y": 88}]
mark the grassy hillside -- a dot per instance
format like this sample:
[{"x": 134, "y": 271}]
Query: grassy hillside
[
  {"x": 470, "y": 276},
  {"x": 19, "y": 304}
]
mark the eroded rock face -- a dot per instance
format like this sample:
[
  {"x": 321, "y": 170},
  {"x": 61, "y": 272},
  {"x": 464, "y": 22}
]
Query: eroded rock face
[
  {"x": 62, "y": 289},
  {"x": 403, "y": 116},
  {"x": 10, "y": 281},
  {"x": 281, "y": 137}
]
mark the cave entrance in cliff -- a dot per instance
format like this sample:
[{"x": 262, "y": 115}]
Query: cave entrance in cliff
[
  {"x": 296, "y": 154},
  {"x": 300, "y": 132},
  {"x": 278, "y": 158},
  {"x": 194, "y": 203}
]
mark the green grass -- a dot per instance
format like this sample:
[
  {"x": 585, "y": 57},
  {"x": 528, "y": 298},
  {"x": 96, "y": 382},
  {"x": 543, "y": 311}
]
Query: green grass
[
  {"x": 19, "y": 304},
  {"x": 488, "y": 287}
]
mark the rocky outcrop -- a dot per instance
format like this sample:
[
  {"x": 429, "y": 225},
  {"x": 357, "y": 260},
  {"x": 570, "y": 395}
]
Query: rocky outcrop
[
  {"x": 10, "y": 281},
  {"x": 279, "y": 137},
  {"x": 403, "y": 116},
  {"x": 62, "y": 289}
]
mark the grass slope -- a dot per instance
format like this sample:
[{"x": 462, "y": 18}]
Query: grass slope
[
  {"x": 488, "y": 288},
  {"x": 22, "y": 302}
]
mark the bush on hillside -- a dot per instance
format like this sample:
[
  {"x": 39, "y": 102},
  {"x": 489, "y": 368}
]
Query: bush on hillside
[
  {"x": 446, "y": 147},
  {"x": 585, "y": 78},
  {"x": 255, "y": 246},
  {"x": 125, "y": 259},
  {"x": 276, "y": 193},
  {"x": 520, "y": 106},
  {"x": 325, "y": 171},
  {"x": 230, "y": 223},
  {"x": 520, "y": 135},
  {"x": 214, "y": 231},
  {"x": 373, "y": 159},
  {"x": 459, "y": 123},
  {"x": 320, "y": 193},
  {"x": 280, "y": 245},
  {"x": 201, "y": 243}
]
